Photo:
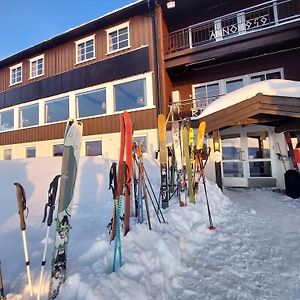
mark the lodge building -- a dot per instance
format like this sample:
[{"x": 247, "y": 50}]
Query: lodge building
[{"x": 154, "y": 57}]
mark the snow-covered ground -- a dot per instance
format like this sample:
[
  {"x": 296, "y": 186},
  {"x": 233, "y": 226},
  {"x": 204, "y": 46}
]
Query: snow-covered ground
[{"x": 253, "y": 254}]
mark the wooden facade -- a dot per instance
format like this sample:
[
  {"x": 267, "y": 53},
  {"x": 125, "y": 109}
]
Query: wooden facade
[{"x": 144, "y": 119}]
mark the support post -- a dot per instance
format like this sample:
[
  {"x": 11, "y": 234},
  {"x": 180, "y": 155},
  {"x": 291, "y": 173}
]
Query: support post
[{"x": 217, "y": 158}]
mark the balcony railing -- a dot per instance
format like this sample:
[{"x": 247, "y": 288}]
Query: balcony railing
[
  {"x": 192, "y": 107},
  {"x": 255, "y": 18}
]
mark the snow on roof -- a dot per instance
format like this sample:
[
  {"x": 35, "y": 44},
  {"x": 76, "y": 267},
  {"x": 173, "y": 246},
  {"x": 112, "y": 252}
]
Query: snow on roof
[{"x": 272, "y": 87}]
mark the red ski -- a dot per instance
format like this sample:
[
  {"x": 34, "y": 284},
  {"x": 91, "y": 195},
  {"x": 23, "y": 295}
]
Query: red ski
[{"x": 288, "y": 140}]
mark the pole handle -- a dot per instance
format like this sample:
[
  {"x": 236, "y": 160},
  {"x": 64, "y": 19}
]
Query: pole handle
[{"x": 21, "y": 198}]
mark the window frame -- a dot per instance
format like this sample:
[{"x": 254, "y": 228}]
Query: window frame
[
  {"x": 20, "y": 114},
  {"x": 85, "y": 40},
  {"x": 113, "y": 29},
  {"x": 11, "y": 69},
  {"x": 36, "y": 59},
  {"x": 14, "y": 119},
  {"x": 90, "y": 141},
  {"x": 67, "y": 97}
]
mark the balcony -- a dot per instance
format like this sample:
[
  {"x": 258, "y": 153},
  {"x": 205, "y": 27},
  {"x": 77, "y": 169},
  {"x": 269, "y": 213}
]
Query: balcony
[{"x": 257, "y": 18}]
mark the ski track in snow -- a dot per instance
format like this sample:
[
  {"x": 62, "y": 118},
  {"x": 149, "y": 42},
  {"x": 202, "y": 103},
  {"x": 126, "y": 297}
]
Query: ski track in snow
[{"x": 253, "y": 254}]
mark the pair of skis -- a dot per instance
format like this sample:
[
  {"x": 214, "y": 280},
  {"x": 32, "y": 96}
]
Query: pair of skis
[{"x": 122, "y": 185}]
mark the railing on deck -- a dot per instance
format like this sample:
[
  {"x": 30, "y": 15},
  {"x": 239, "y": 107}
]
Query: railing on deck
[
  {"x": 255, "y": 18},
  {"x": 192, "y": 107}
]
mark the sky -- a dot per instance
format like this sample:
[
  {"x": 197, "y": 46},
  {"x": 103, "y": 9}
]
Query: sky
[{"x": 24, "y": 23}]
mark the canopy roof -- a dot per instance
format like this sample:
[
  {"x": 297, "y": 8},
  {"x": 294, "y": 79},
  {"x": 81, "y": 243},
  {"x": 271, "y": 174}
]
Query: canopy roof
[{"x": 272, "y": 102}]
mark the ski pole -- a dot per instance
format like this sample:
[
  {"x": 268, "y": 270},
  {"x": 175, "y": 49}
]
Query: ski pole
[
  {"x": 205, "y": 156},
  {"x": 2, "y": 296},
  {"x": 153, "y": 193},
  {"x": 51, "y": 204},
  {"x": 21, "y": 197}
]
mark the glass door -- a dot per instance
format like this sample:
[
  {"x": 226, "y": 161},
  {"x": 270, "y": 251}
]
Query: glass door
[
  {"x": 259, "y": 157},
  {"x": 234, "y": 160}
]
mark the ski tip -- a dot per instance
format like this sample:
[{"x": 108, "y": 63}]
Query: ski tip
[{"x": 212, "y": 228}]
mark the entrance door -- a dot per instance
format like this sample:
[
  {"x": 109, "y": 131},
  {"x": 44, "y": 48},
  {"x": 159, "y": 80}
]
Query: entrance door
[
  {"x": 233, "y": 160},
  {"x": 246, "y": 159}
]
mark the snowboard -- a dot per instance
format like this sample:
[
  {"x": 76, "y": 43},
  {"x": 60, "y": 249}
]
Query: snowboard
[{"x": 70, "y": 160}]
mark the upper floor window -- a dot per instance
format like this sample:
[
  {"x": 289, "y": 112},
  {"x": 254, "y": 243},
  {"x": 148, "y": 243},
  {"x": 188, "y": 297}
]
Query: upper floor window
[
  {"x": 130, "y": 95},
  {"x": 7, "y": 120},
  {"x": 206, "y": 94},
  {"x": 118, "y": 38},
  {"x": 36, "y": 66},
  {"x": 29, "y": 115},
  {"x": 266, "y": 76},
  {"x": 91, "y": 103},
  {"x": 85, "y": 49},
  {"x": 57, "y": 110},
  {"x": 16, "y": 74}
]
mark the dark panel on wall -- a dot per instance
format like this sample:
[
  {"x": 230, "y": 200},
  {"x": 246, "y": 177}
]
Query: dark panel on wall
[
  {"x": 121, "y": 66},
  {"x": 29, "y": 91},
  {"x": 13, "y": 96},
  {"x": 49, "y": 87},
  {"x": 2, "y": 100},
  {"x": 144, "y": 119},
  {"x": 118, "y": 67},
  {"x": 75, "y": 79}
]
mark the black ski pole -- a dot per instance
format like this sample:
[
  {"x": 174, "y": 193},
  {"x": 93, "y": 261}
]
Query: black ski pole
[
  {"x": 154, "y": 196},
  {"x": 21, "y": 197},
  {"x": 2, "y": 295},
  {"x": 205, "y": 155},
  {"x": 51, "y": 205}
]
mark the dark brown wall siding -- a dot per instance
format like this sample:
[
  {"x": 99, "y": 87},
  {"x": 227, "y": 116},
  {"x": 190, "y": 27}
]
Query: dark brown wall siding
[
  {"x": 183, "y": 82},
  {"x": 62, "y": 58},
  {"x": 145, "y": 119}
]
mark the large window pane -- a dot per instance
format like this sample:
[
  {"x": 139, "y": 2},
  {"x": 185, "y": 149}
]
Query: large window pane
[
  {"x": 260, "y": 169},
  {"x": 7, "y": 120},
  {"x": 57, "y": 110},
  {"x": 234, "y": 85},
  {"x": 231, "y": 147},
  {"x": 258, "y": 145},
  {"x": 233, "y": 169},
  {"x": 93, "y": 148},
  {"x": 29, "y": 115},
  {"x": 130, "y": 95},
  {"x": 91, "y": 103}
]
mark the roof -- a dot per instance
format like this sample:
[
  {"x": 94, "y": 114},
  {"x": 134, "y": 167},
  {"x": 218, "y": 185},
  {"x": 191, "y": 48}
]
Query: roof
[
  {"x": 272, "y": 102},
  {"x": 136, "y": 7}
]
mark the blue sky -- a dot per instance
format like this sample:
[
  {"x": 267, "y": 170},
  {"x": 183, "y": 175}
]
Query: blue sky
[{"x": 24, "y": 23}]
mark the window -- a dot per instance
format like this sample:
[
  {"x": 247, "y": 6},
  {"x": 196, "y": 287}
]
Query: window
[
  {"x": 130, "y": 95},
  {"x": 91, "y": 103},
  {"x": 265, "y": 76},
  {"x": 36, "y": 66},
  {"x": 93, "y": 148},
  {"x": 58, "y": 150},
  {"x": 30, "y": 152},
  {"x": 7, "y": 154},
  {"x": 206, "y": 94},
  {"x": 16, "y": 74},
  {"x": 118, "y": 38},
  {"x": 85, "y": 49},
  {"x": 142, "y": 141},
  {"x": 234, "y": 85},
  {"x": 7, "y": 120},
  {"x": 29, "y": 115},
  {"x": 57, "y": 110}
]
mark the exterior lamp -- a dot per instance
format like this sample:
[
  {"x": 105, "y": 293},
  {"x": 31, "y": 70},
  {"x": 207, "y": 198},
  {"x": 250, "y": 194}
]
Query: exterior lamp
[{"x": 171, "y": 4}]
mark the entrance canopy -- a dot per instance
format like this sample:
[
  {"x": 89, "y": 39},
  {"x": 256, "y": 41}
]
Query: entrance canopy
[{"x": 273, "y": 102}]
